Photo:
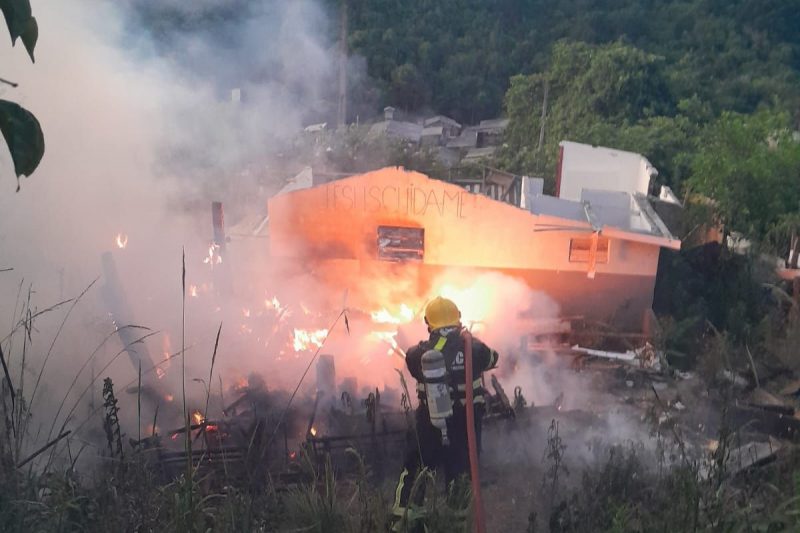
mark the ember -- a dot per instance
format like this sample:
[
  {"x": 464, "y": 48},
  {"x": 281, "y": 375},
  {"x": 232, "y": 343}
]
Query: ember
[{"x": 273, "y": 303}]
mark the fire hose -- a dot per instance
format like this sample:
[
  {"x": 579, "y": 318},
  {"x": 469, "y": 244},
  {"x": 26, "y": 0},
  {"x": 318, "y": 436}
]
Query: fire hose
[{"x": 478, "y": 522}]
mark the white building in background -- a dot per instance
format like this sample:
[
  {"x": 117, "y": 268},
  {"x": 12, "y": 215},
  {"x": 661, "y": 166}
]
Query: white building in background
[{"x": 582, "y": 166}]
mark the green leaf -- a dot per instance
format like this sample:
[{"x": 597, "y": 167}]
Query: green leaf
[
  {"x": 23, "y": 135},
  {"x": 30, "y": 36},
  {"x": 17, "y": 14}
]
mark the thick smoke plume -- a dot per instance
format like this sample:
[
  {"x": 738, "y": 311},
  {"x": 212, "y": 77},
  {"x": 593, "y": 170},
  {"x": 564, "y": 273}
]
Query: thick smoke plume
[
  {"x": 142, "y": 134},
  {"x": 143, "y": 131}
]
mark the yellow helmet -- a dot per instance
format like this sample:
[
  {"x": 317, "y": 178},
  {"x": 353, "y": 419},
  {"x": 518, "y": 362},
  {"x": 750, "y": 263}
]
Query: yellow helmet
[{"x": 441, "y": 312}]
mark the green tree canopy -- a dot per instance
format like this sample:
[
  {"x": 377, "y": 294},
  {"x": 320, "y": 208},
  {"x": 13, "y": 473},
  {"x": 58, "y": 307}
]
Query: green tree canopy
[
  {"x": 750, "y": 166},
  {"x": 613, "y": 94},
  {"x": 734, "y": 54}
]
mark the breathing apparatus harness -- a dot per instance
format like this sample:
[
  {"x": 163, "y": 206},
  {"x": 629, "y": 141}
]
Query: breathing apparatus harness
[{"x": 438, "y": 387}]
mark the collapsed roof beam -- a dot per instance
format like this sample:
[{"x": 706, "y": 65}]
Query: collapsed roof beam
[{"x": 591, "y": 218}]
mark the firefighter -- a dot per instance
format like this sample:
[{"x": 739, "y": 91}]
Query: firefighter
[{"x": 437, "y": 364}]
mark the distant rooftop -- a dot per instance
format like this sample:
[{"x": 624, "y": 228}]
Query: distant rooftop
[
  {"x": 492, "y": 124},
  {"x": 475, "y": 154},
  {"x": 441, "y": 119},
  {"x": 397, "y": 129},
  {"x": 467, "y": 139}
]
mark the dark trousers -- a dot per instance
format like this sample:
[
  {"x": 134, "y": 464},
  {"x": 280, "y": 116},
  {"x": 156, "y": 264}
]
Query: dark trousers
[{"x": 424, "y": 448}]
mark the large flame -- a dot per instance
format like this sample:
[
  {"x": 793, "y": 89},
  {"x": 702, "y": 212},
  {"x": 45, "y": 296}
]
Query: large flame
[
  {"x": 305, "y": 339},
  {"x": 404, "y": 315},
  {"x": 476, "y": 303}
]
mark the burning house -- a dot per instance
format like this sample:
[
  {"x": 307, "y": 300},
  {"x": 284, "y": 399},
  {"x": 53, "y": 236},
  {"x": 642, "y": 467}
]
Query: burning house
[{"x": 595, "y": 254}]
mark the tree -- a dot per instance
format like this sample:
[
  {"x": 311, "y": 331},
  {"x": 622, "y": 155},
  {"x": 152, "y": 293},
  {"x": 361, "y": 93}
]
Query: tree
[
  {"x": 408, "y": 87},
  {"x": 21, "y": 130},
  {"x": 733, "y": 54},
  {"x": 595, "y": 94},
  {"x": 750, "y": 166}
]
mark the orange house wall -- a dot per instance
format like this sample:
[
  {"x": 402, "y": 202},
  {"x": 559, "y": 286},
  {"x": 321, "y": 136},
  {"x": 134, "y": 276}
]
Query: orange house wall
[{"x": 336, "y": 223}]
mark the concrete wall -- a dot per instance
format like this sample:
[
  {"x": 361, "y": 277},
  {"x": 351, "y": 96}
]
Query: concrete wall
[{"x": 596, "y": 167}]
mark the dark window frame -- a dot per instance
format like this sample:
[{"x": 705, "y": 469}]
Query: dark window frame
[{"x": 400, "y": 243}]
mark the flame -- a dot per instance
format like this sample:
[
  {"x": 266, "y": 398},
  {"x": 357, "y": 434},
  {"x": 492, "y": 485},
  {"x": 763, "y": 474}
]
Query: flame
[
  {"x": 245, "y": 312},
  {"x": 384, "y": 316},
  {"x": 197, "y": 417},
  {"x": 193, "y": 291},
  {"x": 313, "y": 431},
  {"x": 304, "y": 339},
  {"x": 169, "y": 397},
  {"x": 174, "y": 436},
  {"x": 273, "y": 303},
  {"x": 122, "y": 240},
  {"x": 241, "y": 384},
  {"x": 473, "y": 302},
  {"x": 292, "y": 455},
  {"x": 389, "y": 337},
  {"x": 213, "y": 257},
  {"x": 166, "y": 350}
]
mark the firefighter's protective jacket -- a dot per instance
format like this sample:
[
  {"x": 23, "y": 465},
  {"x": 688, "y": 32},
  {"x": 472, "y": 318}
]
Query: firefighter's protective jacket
[{"x": 449, "y": 341}]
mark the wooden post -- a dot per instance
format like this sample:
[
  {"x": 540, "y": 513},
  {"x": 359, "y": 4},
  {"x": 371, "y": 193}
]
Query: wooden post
[
  {"x": 118, "y": 309},
  {"x": 218, "y": 221},
  {"x": 221, "y": 274},
  {"x": 341, "y": 112}
]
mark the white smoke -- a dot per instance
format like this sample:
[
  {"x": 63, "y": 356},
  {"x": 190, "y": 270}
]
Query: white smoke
[{"x": 141, "y": 135}]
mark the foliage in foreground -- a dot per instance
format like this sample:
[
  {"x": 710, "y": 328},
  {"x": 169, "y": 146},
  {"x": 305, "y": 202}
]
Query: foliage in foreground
[{"x": 623, "y": 494}]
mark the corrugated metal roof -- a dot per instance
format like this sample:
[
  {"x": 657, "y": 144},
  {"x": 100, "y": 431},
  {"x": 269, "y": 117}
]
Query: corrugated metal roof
[{"x": 624, "y": 215}]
